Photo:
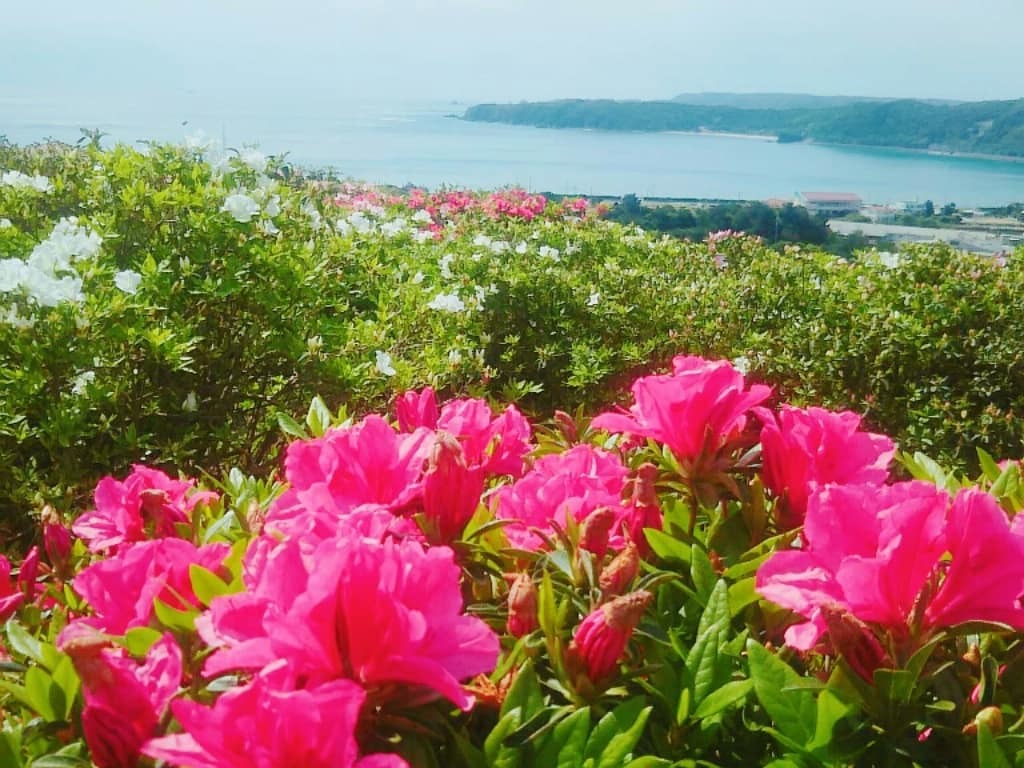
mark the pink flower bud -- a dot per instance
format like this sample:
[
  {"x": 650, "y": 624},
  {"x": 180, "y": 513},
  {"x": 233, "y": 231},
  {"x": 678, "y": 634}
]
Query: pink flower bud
[
  {"x": 417, "y": 409},
  {"x": 522, "y": 606},
  {"x": 602, "y": 636},
  {"x": 56, "y": 538},
  {"x": 621, "y": 571},
  {"x": 595, "y": 529},
  {"x": 567, "y": 426},
  {"x": 451, "y": 490},
  {"x": 855, "y": 642}
]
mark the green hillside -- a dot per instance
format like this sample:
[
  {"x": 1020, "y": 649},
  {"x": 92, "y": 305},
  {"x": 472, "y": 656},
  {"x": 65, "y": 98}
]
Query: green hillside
[{"x": 986, "y": 127}]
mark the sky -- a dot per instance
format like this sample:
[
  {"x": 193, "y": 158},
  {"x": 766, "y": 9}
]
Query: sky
[{"x": 509, "y": 50}]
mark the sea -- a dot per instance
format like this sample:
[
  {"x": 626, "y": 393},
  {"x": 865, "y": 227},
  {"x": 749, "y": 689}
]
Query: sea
[{"x": 425, "y": 144}]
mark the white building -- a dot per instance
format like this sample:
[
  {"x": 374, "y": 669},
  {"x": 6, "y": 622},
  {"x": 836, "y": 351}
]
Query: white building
[{"x": 830, "y": 203}]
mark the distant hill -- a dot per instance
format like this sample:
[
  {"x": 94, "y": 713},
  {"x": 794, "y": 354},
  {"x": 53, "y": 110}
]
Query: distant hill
[
  {"x": 770, "y": 100},
  {"x": 983, "y": 127}
]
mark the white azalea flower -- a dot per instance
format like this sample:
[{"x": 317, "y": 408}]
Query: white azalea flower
[
  {"x": 5, "y": 223},
  {"x": 422, "y": 217},
  {"x": 273, "y": 206},
  {"x": 889, "y": 260},
  {"x": 445, "y": 264},
  {"x": 454, "y": 356},
  {"x": 198, "y": 142},
  {"x": 594, "y": 299},
  {"x": 241, "y": 207},
  {"x": 16, "y": 320},
  {"x": 253, "y": 158},
  {"x": 394, "y": 227},
  {"x": 82, "y": 381},
  {"x": 190, "y": 404},
  {"x": 128, "y": 280},
  {"x": 447, "y": 302},
  {"x": 384, "y": 363},
  {"x": 742, "y": 364},
  {"x": 20, "y": 180},
  {"x": 268, "y": 227},
  {"x": 548, "y": 252},
  {"x": 418, "y": 278},
  {"x": 314, "y": 215},
  {"x": 522, "y": 248},
  {"x": 422, "y": 235}
]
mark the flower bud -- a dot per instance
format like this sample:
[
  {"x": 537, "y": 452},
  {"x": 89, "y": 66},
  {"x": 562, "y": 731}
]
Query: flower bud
[
  {"x": 594, "y": 531},
  {"x": 56, "y": 537},
  {"x": 990, "y": 717},
  {"x": 602, "y": 636},
  {"x": 567, "y": 426},
  {"x": 619, "y": 575},
  {"x": 451, "y": 490},
  {"x": 522, "y": 606},
  {"x": 644, "y": 511},
  {"x": 417, "y": 409},
  {"x": 854, "y": 641}
]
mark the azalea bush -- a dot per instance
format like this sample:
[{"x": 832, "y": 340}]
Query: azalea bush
[
  {"x": 706, "y": 577},
  {"x": 174, "y": 305}
]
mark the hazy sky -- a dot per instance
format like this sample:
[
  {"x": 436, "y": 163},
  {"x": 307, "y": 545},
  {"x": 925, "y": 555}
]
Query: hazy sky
[{"x": 492, "y": 50}]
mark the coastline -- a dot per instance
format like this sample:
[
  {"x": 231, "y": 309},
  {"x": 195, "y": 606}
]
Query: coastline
[{"x": 767, "y": 137}]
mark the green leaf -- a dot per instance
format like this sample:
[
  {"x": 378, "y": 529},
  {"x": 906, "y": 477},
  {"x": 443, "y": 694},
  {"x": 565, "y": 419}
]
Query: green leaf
[
  {"x": 547, "y": 612},
  {"x": 564, "y": 749},
  {"x": 66, "y": 680},
  {"x": 703, "y": 574},
  {"x": 895, "y": 685},
  {"x": 988, "y": 465},
  {"x": 616, "y": 723},
  {"x": 667, "y": 547},
  {"x": 38, "y": 685},
  {"x": 319, "y": 417},
  {"x": 291, "y": 427},
  {"x": 173, "y": 618},
  {"x": 793, "y": 712},
  {"x": 742, "y": 594},
  {"x": 21, "y": 641},
  {"x": 724, "y": 697},
  {"x": 990, "y": 754},
  {"x": 10, "y": 748},
  {"x": 624, "y": 742},
  {"x": 524, "y": 694},
  {"x": 830, "y": 710},
  {"x": 497, "y": 754},
  {"x": 138, "y": 640},
  {"x": 60, "y": 761},
  {"x": 712, "y": 632},
  {"x": 206, "y": 584},
  {"x": 649, "y": 761}
]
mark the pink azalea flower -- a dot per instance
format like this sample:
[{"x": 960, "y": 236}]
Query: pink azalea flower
[
  {"x": 695, "y": 411},
  {"x": 11, "y": 595},
  {"x": 577, "y": 482},
  {"x": 368, "y": 465},
  {"x": 122, "y": 588},
  {"x": 374, "y": 612},
  {"x": 498, "y": 444},
  {"x": 879, "y": 553},
  {"x": 984, "y": 579},
  {"x": 146, "y": 499},
  {"x": 417, "y": 409},
  {"x": 818, "y": 446},
  {"x": 124, "y": 700},
  {"x": 268, "y": 724}
]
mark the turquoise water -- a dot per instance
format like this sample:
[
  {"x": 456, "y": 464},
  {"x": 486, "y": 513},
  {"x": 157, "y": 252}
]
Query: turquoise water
[{"x": 417, "y": 143}]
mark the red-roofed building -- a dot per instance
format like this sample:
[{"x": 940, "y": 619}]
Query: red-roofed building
[{"x": 830, "y": 203}]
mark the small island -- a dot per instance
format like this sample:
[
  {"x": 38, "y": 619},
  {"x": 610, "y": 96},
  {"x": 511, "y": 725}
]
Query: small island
[{"x": 990, "y": 128}]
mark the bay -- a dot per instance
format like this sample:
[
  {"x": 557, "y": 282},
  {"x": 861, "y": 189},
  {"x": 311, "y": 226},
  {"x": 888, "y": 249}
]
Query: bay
[{"x": 419, "y": 143}]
